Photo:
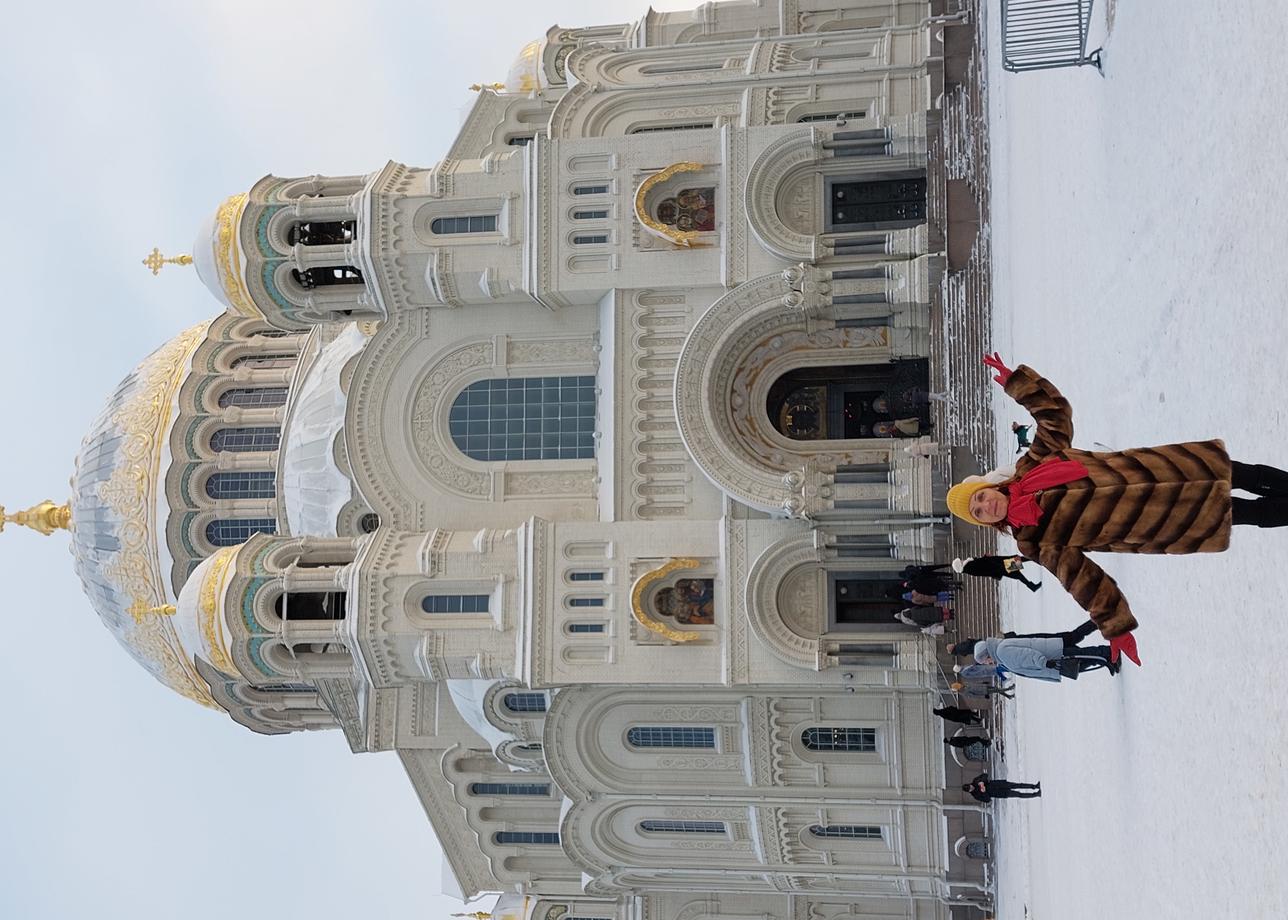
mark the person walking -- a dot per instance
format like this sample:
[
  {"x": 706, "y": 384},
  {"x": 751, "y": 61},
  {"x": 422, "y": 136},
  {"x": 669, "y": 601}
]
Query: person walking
[
  {"x": 965, "y": 741},
  {"x": 966, "y": 646},
  {"x": 958, "y": 714},
  {"x": 1043, "y": 659},
  {"x": 1021, "y": 432},
  {"x": 997, "y": 567},
  {"x": 1063, "y": 503},
  {"x": 984, "y": 789}
]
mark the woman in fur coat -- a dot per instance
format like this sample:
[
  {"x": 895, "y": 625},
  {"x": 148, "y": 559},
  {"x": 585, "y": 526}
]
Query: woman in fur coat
[{"x": 1063, "y": 503}]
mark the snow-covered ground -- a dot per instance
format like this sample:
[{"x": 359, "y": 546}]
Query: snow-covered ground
[{"x": 1139, "y": 223}]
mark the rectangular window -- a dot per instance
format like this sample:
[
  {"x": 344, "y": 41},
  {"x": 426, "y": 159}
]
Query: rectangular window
[
  {"x": 538, "y": 789},
  {"x": 525, "y": 418},
  {"x": 596, "y": 189},
  {"x": 455, "y": 603},
  {"x": 585, "y": 628},
  {"x": 519, "y": 140},
  {"x": 589, "y": 215},
  {"x": 539, "y": 837},
  {"x": 589, "y": 239},
  {"x": 682, "y": 827},
  {"x": 585, "y": 602},
  {"x": 671, "y": 736},
  {"x": 585, "y": 576}
]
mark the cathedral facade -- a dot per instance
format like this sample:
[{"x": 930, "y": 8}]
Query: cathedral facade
[{"x": 579, "y": 469}]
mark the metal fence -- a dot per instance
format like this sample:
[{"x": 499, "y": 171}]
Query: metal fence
[{"x": 1042, "y": 34}]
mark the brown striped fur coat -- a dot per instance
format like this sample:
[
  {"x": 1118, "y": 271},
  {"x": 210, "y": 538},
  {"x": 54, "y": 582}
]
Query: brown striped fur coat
[{"x": 1170, "y": 499}]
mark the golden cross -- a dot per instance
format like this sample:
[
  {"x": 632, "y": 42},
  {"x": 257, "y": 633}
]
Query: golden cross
[
  {"x": 141, "y": 609},
  {"x": 155, "y": 260}
]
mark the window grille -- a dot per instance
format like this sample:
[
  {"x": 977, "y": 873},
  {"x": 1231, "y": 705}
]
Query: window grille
[
  {"x": 235, "y": 531},
  {"x": 585, "y": 628},
  {"x": 590, "y": 215},
  {"x": 586, "y": 576},
  {"x": 589, "y": 239},
  {"x": 243, "y": 440},
  {"x": 525, "y": 418},
  {"x": 682, "y": 827},
  {"x": 455, "y": 603},
  {"x": 590, "y": 189},
  {"x": 849, "y": 740},
  {"x": 847, "y": 831},
  {"x": 473, "y": 223},
  {"x": 259, "y": 484},
  {"x": 253, "y": 397},
  {"x": 538, "y": 837},
  {"x": 538, "y": 789},
  {"x": 265, "y": 362},
  {"x": 585, "y": 602},
  {"x": 524, "y": 702},
  {"x": 670, "y": 736}
]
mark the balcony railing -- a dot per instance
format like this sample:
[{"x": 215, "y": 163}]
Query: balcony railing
[{"x": 1044, "y": 34}]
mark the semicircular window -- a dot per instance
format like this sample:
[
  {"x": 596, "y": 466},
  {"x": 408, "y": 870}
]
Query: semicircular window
[
  {"x": 250, "y": 484},
  {"x": 243, "y": 440},
  {"x": 526, "y": 418}
]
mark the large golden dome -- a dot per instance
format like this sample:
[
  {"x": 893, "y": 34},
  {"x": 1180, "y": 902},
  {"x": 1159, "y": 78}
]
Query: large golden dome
[{"x": 119, "y": 511}]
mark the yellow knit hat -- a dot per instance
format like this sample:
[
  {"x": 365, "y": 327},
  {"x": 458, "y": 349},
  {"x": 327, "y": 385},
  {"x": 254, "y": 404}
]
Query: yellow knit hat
[{"x": 959, "y": 497}]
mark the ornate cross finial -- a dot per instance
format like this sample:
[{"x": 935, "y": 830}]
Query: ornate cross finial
[
  {"x": 478, "y": 88},
  {"x": 43, "y": 518},
  {"x": 141, "y": 609},
  {"x": 477, "y": 915},
  {"x": 155, "y": 260}
]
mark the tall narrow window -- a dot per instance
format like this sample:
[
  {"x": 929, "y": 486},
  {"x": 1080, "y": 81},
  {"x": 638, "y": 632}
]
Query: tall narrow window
[
  {"x": 585, "y": 576},
  {"x": 590, "y": 189},
  {"x": 455, "y": 603},
  {"x": 670, "y": 736},
  {"x": 327, "y": 276},
  {"x": 525, "y": 418},
  {"x": 682, "y": 827},
  {"x": 255, "y": 484},
  {"x": 265, "y": 362},
  {"x": 850, "y": 740},
  {"x": 590, "y": 215},
  {"x": 524, "y": 702},
  {"x": 827, "y": 116},
  {"x": 538, "y": 837},
  {"x": 253, "y": 397},
  {"x": 235, "y": 531},
  {"x": 690, "y": 126},
  {"x": 577, "y": 629},
  {"x": 847, "y": 831},
  {"x": 321, "y": 233},
  {"x": 585, "y": 602},
  {"x": 241, "y": 440},
  {"x": 269, "y": 333},
  {"x": 589, "y": 239},
  {"x": 537, "y": 789},
  {"x": 473, "y": 223},
  {"x": 311, "y": 605}
]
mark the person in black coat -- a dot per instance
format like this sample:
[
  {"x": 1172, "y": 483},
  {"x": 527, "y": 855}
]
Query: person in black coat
[
  {"x": 997, "y": 567},
  {"x": 983, "y": 789},
  {"x": 965, "y": 741},
  {"x": 926, "y": 579},
  {"x": 958, "y": 714}
]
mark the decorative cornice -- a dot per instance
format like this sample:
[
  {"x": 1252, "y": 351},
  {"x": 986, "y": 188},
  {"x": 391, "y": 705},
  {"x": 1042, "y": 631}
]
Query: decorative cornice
[{"x": 637, "y": 601}]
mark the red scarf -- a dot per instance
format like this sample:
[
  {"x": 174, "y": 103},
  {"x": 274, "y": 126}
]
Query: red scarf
[{"x": 1023, "y": 510}]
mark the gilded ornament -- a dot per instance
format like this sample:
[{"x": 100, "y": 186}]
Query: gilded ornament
[
  {"x": 44, "y": 518},
  {"x": 228, "y": 258},
  {"x": 156, "y": 260},
  {"x": 141, "y": 608},
  {"x": 679, "y": 237},
  {"x": 212, "y": 627},
  {"x": 637, "y": 601}
]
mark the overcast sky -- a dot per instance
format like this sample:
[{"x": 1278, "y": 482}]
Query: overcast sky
[{"x": 127, "y": 123}]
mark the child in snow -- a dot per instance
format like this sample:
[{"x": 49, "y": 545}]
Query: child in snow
[{"x": 1063, "y": 503}]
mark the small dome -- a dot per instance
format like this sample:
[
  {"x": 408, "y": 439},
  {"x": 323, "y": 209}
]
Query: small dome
[
  {"x": 219, "y": 258},
  {"x": 311, "y": 487},
  {"x": 525, "y": 74},
  {"x": 200, "y": 620},
  {"x": 119, "y": 510}
]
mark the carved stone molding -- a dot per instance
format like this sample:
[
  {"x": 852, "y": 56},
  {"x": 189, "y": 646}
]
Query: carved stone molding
[{"x": 763, "y": 615}]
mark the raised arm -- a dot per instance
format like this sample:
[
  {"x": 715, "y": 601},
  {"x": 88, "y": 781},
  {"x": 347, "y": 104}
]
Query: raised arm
[
  {"x": 1049, "y": 409},
  {"x": 1095, "y": 592}
]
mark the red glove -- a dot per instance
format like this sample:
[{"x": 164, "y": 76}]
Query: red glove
[
  {"x": 995, "y": 362},
  {"x": 1126, "y": 645}
]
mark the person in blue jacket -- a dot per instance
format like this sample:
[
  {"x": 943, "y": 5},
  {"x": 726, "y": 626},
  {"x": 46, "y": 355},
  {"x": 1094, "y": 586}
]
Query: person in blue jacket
[{"x": 1043, "y": 659}]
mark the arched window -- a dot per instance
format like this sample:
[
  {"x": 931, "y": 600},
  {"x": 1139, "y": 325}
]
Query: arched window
[
  {"x": 253, "y": 397},
  {"x": 541, "y": 789},
  {"x": 849, "y": 740},
  {"x": 589, "y": 239},
  {"x": 524, "y": 702},
  {"x": 327, "y": 276},
  {"x": 598, "y": 214},
  {"x": 235, "y": 531},
  {"x": 369, "y": 522},
  {"x": 473, "y": 223},
  {"x": 265, "y": 362},
  {"x": 585, "y": 602},
  {"x": 241, "y": 440},
  {"x": 259, "y": 484},
  {"x": 540, "y": 837},
  {"x": 670, "y": 736},
  {"x": 321, "y": 232},
  {"x": 847, "y": 831},
  {"x": 585, "y": 576},
  {"x": 311, "y": 605},
  {"x": 455, "y": 603},
  {"x": 577, "y": 629},
  {"x": 595, "y": 189},
  {"x": 682, "y": 827},
  {"x": 525, "y": 418}
]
